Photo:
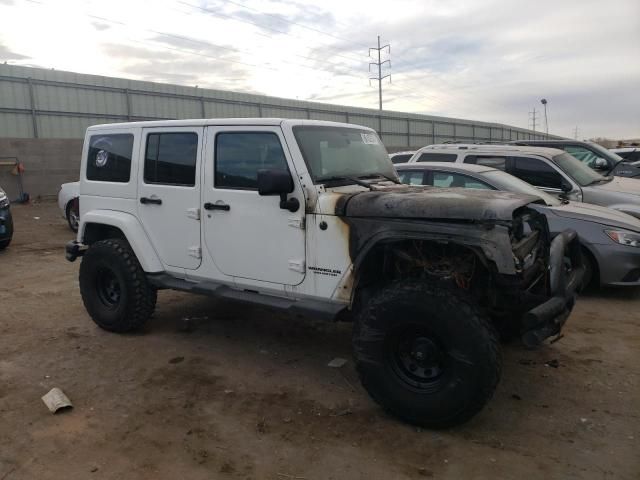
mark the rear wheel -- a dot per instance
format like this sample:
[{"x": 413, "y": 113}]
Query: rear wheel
[
  {"x": 114, "y": 288},
  {"x": 426, "y": 354}
]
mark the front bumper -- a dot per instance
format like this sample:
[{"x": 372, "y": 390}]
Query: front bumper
[
  {"x": 74, "y": 249},
  {"x": 566, "y": 272},
  {"x": 618, "y": 265}
]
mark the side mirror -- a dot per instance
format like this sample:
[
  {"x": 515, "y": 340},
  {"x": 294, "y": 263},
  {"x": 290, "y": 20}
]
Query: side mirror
[
  {"x": 274, "y": 182},
  {"x": 565, "y": 186},
  {"x": 600, "y": 164},
  {"x": 278, "y": 182}
]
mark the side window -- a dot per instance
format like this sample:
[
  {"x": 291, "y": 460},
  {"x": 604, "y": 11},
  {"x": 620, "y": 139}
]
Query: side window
[
  {"x": 582, "y": 154},
  {"x": 536, "y": 172},
  {"x": 448, "y": 179},
  {"x": 404, "y": 158},
  {"x": 170, "y": 158},
  {"x": 109, "y": 158},
  {"x": 239, "y": 156},
  {"x": 488, "y": 161},
  {"x": 437, "y": 157},
  {"x": 411, "y": 177}
]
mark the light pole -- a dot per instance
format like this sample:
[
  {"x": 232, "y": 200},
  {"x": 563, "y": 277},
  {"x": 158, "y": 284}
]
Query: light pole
[{"x": 546, "y": 121}]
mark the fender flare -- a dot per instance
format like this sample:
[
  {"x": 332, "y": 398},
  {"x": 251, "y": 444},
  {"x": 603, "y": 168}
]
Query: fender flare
[{"x": 133, "y": 232}]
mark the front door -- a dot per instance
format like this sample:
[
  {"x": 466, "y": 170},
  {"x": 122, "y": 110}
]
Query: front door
[
  {"x": 247, "y": 235},
  {"x": 169, "y": 194}
]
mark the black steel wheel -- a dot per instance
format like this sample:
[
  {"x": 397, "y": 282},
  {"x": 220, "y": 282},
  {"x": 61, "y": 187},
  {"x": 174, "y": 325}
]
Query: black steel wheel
[
  {"x": 114, "y": 288},
  {"x": 426, "y": 353}
]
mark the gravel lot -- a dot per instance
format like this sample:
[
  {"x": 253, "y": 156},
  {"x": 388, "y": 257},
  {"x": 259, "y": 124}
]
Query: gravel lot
[{"x": 246, "y": 393}]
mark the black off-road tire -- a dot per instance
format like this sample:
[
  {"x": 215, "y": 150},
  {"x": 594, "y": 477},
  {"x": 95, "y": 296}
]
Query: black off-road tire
[
  {"x": 4, "y": 243},
  {"x": 114, "y": 288},
  {"x": 461, "y": 348}
]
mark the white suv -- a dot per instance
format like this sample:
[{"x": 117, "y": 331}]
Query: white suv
[{"x": 309, "y": 216}]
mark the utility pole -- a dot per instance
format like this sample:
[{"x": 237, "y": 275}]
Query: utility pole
[
  {"x": 533, "y": 120},
  {"x": 575, "y": 133},
  {"x": 379, "y": 64}
]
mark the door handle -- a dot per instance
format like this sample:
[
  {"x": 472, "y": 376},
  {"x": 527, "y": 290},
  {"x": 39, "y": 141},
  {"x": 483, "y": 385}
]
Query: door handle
[
  {"x": 147, "y": 200},
  {"x": 217, "y": 206}
]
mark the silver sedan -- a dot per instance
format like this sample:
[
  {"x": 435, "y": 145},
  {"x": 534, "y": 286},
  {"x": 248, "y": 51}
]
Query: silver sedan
[{"x": 610, "y": 239}]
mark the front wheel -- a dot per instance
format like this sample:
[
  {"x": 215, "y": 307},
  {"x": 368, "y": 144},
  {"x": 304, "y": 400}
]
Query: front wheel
[
  {"x": 426, "y": 354},
  {"x": 114, "y": 288},
  {"x": 73, "y": 215}
]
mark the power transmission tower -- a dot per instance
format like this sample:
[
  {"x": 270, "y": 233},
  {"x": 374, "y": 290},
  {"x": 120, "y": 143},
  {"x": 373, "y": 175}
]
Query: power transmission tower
[
  {"x": 575, "y": 132},
  {"x": 379, "y": 64},
  {"x": 533, "y": 120}
]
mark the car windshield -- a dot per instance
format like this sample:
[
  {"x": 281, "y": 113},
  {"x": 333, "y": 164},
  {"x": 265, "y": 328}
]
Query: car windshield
[
  {"x": 604, "y": 153},
  {"x": 334, "y": 152},
  {"x": 503, "y": 181},
  {"x": 577, "y": 170}
]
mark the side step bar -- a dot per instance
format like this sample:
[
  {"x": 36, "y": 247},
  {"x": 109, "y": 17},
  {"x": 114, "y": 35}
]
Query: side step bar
[{"x": 307, "y": 307}]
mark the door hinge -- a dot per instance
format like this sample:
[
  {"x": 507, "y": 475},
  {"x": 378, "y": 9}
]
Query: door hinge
[
  {"x": 296, "y": 222},
  {"x": 195, "y": 252},
  {"x": 297, "y": 265},
  {"x": 193, "y": 213}
]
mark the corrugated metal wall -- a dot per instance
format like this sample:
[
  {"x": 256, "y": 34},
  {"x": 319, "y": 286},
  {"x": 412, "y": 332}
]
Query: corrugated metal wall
[{"x": 39, "y": 103}]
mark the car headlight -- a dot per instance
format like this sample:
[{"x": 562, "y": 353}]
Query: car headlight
[
  {"x": 624, "y": 238},
  {"x": 4, "y": 200}
]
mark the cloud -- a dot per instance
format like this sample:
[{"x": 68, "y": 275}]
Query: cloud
[
  {"x": 7, "y": 55},
  {"x": 100, "y": 26}
]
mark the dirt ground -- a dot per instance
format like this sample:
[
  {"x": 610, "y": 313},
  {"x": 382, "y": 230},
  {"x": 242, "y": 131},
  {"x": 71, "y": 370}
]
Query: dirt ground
[{"x": 246, "y": 393}]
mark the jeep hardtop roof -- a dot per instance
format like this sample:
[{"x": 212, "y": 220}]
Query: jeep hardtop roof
[{"x": 203, "y": 122}]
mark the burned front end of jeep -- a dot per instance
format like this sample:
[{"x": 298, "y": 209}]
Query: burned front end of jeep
[{"x": 507, "y": 263}]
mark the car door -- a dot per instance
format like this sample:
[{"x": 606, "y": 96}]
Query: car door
[
  {"x": 249, "y": 236},
  {"x": 169, "y": 195},
  {"x": 545, "y": 176}
]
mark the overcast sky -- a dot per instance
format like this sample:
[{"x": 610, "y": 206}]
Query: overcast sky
[{"x": 490, "y": 60}]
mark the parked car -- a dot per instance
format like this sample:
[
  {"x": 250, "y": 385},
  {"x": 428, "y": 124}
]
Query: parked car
[
  {"x": 591, "y": 154},
  {"x": 610, "y": 239},
  {"x": 552, "y": 170},
  {"x": 628, "y": 154},
  {"x": 68, "y": 201},
  {"x": 400, "y": 157},
  {"x": 6, "y": 221},
  {"x": 309, "y": 216}
]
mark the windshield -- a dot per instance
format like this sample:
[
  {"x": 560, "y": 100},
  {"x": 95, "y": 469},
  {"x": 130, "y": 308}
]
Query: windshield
[
  {"x": 342, "y": 152},
  {"x": 605, "y": 153},
  {"x": 503, "y": 181},
  {"x": 577, "y": 170}
]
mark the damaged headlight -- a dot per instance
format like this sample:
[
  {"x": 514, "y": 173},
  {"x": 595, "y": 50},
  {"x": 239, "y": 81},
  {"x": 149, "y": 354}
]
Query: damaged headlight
[
  {"x": 4, "y": 200},
  {"x": 624, "y": 238}
]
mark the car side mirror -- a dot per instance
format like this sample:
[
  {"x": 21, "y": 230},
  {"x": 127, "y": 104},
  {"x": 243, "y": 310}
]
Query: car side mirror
[
  {"x": 274, "y": 182},
  {"x": 601, "y": 164},
  {"x": 565, "y": 186},
  {"x": 278, "y": 182}
]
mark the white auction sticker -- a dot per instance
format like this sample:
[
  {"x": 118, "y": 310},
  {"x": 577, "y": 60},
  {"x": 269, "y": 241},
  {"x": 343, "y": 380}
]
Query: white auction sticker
[{"x": 369, "y": 138}]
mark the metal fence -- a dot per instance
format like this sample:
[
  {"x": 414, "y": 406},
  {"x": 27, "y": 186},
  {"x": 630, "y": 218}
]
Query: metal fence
[{"x": 40, "y": 103}]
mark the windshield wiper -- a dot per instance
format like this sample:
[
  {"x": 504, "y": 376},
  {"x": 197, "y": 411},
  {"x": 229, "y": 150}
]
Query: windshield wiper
[{"x": 351, "y": 179}]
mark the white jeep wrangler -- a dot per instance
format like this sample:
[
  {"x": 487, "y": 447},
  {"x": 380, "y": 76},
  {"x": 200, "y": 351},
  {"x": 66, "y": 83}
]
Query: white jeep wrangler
[{"x": 308, "y": 216}]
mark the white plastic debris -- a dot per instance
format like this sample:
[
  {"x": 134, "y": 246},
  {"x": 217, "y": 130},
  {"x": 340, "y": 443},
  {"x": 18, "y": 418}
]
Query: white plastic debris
[
  {"x": 337, "y": 362},
  {"x": 56, "y": 400}
]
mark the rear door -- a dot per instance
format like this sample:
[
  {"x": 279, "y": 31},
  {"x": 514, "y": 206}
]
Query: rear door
[{"x": 168, "y": 193}]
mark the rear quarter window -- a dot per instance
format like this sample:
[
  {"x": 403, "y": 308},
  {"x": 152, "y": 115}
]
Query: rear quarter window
[{"x": 109, "y": 157}]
